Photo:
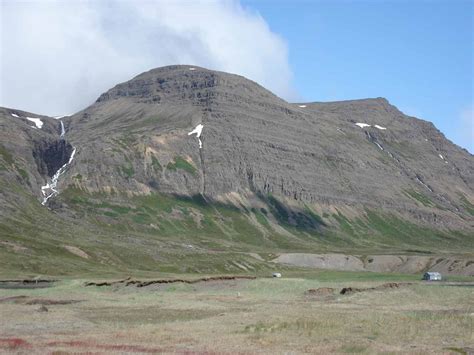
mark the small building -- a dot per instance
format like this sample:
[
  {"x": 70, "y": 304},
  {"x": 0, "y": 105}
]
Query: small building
[
  {"x": 432, "y": 276},
  {"x": 276, "y": 274}
]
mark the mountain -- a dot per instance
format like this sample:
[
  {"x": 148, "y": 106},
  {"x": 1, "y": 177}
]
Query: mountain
[{"x": 188, "y": 169}]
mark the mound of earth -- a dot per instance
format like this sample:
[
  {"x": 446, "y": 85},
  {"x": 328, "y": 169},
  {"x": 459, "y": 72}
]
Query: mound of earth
[
  {"x": 138, "y": 283},
  {"x": 322, "y": 291},
  {"x": 386, "y": 286}
]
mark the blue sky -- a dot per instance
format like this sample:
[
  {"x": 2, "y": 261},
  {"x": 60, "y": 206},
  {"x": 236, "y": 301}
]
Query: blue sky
[{"x": 417, "y": 54}]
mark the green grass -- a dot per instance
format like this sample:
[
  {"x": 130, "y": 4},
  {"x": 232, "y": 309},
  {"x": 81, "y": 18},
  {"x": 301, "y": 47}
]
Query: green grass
[
  {"x": 128, "y": 171},
  {"x": 261, "y": 218},
  {"x": 23, "y": 174},
  {"x": 147, "y": 121},
  {"x": 457, "y": 350},
  {"x": 418, "y": 196},
  {"x": 262, "y": 315},
  {"x": 6, "y": 155},
  {"x": 303, "y": 220},
  {"x": 156, "y": 164},
  {"x": 467, "y": 205},
  {"x": 354, "y": 349},
  {"x": 142, "y": 234},
  {"x": 181, "y": 163},
  {"x": 126, "y": 142},
  {"x": 344, "y": 223}
]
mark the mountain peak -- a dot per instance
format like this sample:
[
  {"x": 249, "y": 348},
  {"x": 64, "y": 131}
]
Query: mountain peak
[{"x": 184, "y": 83}]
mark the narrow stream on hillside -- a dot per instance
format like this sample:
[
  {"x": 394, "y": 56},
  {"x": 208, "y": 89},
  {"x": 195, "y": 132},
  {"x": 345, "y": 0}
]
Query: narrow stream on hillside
[
  {"x": 63, "y": 131},
  {"x": 49, "y": 190}
]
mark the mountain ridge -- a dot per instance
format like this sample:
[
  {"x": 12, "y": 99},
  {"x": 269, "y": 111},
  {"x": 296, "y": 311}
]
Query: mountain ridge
[{"x": 312, "y": 176}]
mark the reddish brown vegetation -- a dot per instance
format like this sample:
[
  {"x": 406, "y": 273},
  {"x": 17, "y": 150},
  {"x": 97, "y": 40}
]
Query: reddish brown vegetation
[
  {"x": 13, "y": 299},
  {"x": 112, "y": 347},
  {"x": 119, "y": 348},
  {"x": 13, "y": 343}
]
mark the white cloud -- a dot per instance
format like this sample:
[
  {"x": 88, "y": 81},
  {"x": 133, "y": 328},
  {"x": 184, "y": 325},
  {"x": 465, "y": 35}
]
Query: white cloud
[{"x": 58, "y": 56}]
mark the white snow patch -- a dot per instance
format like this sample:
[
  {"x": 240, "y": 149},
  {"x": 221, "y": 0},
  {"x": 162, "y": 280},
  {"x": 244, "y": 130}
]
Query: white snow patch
[
  {"x": 302, "y": 106},
  {"x": 36, "y": 121},
  {"x": 15, "y": 115},
  {"x": 340, "y": 130},
  {"x": 441, "y": 156},
  {"x": 378, "y": 145},
  {"x": 192, "y": 68},
  {"x": 380, "y": 127},
  {"x": 197, "y": 131},
  {"x": 59, "y": 117},
  {"x": 421, "y": 182},
  {"x": 362, "y": 125}
]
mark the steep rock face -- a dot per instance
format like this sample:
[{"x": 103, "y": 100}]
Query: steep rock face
[
  {"x": 31, "y": 153},
  {"x": 135, "y": 139},
  {"x": 50, "y": 156}
]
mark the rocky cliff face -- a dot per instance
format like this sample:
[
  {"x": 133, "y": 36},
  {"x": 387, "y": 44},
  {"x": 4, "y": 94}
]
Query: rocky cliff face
[
  {"x": 355, "y": 154},
  {"x": 308, "y": 167}
]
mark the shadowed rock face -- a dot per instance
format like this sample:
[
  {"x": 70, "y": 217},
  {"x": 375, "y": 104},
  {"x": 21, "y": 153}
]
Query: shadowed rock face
[
  {"x": 261, "y": 151},
  {"x": 50, "y": 156},
  {"x": 28, "y": 154}
]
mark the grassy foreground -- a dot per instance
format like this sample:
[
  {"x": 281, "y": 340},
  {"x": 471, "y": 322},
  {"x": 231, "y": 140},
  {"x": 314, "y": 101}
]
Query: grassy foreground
[{"x": 242, "y": 316}]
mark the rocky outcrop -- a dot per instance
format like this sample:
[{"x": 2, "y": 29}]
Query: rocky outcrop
[
  {"x": 360, "y": 154},
  {"x": 50, "y": 156}
]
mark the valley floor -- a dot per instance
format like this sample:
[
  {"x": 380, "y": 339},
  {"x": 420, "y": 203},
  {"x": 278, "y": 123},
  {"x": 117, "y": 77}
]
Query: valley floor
[{"x": 382, "y": 313}]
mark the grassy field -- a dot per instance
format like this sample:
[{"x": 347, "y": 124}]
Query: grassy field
[
  {"x": 106, "y": 234},
  {"x": 243, "y": 316}
]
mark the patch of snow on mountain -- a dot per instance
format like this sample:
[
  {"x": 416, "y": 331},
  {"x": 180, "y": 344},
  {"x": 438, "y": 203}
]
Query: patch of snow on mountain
[
  {"x": 362, "y": 125},
  {"x": 441, "y": 156},
  {"x": 15, "y": 115},
  {"x": 302, "y": 106},
  {"x": 192, "y": 68},
  {"x": 197, "y": 131},
  {"x": 36, "y": 121},
  {"x": 380, "y": 127},
  {"x": 378, "y": 145},
  {"x": 422, "y": 183}
]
